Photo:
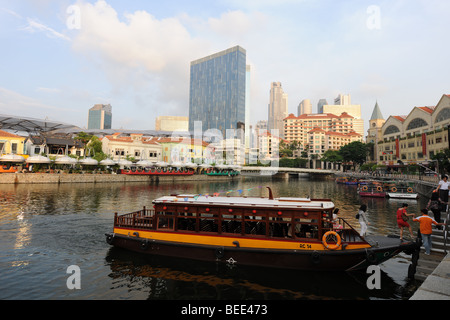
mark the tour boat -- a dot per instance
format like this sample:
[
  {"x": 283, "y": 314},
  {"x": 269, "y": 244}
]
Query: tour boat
[
  {"x": 158, "y": 171},
  {"x": 287, "y": 233},
  {"x": 373, "y": 191}
]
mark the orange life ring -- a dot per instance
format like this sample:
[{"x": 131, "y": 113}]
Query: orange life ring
[
  {"x": 394, "y": 189},
  {"x": 410, "y": 190},
  {"x": 379, "y": 189},
  {"x": 331, "y": 246},
  {"x": 365, "y": 188}
]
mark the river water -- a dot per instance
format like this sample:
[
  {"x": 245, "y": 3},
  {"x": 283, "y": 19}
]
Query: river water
[{"x": 47, "y": 228}]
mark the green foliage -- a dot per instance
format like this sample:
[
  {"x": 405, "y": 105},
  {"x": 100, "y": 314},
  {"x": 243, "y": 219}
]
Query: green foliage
[{"x": 355, "y": 152}]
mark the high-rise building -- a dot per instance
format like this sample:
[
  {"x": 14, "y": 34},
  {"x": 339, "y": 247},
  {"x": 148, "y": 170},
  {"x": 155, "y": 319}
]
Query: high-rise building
[
  {"x": 100, "y": 117},
  {"x": 218, "y": 91},
  {"x": 305, "y": 107},
  {"x": 320, "y": 104},
  {"x": 278, "y": 109},
  {"x": 343, "y": 103}
]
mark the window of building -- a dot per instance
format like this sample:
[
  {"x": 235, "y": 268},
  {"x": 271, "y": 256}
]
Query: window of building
[
  {"x": 443, "y": 115},
  {"x": 417, "y": 123},
  {"x": 391, "y": 129}
]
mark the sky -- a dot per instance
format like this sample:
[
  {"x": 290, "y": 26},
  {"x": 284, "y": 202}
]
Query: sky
[{"x": 60, "y": 58}]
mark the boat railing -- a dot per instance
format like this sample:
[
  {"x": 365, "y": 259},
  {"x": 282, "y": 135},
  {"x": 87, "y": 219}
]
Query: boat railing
[
  {"x": 142, "y": 219},
  {"x": 346, "y": 231}
]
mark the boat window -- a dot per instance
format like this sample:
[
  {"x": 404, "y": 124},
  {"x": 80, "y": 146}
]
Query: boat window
[
  {"x": 279, "y": 227},
  {"x": 165, "y": 221},
  {"x": 255, "y": 225},
  {"x": 208, "y": 222},
  {"x": 306, "y": 228},
  {"x": 232, "y": 224},
  {"x": 186, "y": 221}
]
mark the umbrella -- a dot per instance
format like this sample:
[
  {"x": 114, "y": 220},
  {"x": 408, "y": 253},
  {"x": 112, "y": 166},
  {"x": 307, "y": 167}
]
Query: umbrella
[
  {"x": 89, "y": 162},
  {"x": 38, "y": 159},
  {"x": 107, "y": 162},
  {"x": 144, "y": 163},
  {"x": 66, "y": 160},
  {"x": 12, "y": 158}
]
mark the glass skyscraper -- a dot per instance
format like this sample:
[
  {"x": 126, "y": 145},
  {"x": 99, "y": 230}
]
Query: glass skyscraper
[
  {"x": 100, "y": 117},
  {"x": 217, "y": 91}
]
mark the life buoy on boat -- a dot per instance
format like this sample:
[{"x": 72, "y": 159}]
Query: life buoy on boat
[
  {"x": 410, "y": 190},
  {"x": 330, "y": 246},
  {"x": 365, "y": 188},
  {"x": 379, "y": 189},
  {"x": 394, "y": 189}
]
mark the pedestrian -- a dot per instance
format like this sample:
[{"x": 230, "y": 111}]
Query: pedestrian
[
  {"x": 402, "y": 220},
  {"x": 434, "y": 205},
  {"x": 426, "y": 223},
  {"x": 336, "y": 224},
  {"x": 362, "y": 219},
  {"x": 443, "y": 189}
]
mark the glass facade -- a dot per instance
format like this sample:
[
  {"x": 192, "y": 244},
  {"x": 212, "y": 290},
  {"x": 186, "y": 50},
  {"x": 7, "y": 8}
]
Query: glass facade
[
  {"x": 100, "y": 117},
  {"x": 217, "y": 91}
]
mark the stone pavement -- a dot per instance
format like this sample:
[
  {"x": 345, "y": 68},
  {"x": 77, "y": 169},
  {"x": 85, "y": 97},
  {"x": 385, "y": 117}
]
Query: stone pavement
[{"x": 437, "y": 285}]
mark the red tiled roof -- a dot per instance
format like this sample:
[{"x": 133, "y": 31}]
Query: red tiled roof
[{"x": 8, "y": 135}]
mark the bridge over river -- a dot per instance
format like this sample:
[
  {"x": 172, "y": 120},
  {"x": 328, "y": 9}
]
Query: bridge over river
[{"x": 282, "y": 172}]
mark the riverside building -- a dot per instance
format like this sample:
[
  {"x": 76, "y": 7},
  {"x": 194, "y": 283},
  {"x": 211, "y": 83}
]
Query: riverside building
[{"x": 417, "y": 137}]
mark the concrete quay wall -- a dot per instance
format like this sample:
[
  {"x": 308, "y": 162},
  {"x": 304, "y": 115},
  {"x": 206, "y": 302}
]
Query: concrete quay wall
[{"x": 55, "y": 178}]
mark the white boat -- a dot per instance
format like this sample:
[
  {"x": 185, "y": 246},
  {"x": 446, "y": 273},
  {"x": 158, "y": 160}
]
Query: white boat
[{"x": 402, "y": 193}]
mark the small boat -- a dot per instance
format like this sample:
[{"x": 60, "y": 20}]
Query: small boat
[
  {"x": 402, "y": 193},
  {"x": 372, "y": 190},
  {"x": 286, "y": 233},
  {"x": 341, "y": 180}
]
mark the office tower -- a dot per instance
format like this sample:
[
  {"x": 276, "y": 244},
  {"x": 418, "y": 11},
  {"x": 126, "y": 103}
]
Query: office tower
[
  {"x": 320, "y": 104},
  {"x": 100, "y": 117},
  {"x": 305, "y": 107},
  {"x": 278, "y": 109},
  {"x": 218, "y": 90}
]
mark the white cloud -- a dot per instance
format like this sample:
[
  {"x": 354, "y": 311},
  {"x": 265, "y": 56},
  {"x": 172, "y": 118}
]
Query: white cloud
[{"x": 35, "y": 26}]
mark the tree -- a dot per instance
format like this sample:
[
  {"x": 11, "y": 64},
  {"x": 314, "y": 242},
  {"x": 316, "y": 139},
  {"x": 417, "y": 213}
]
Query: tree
[
  {"x": 95, "y": 149},
  {"x": 443, "y": 160},
  {"x": 355, "y": 152},
  {"x": 332, "y": 156}
]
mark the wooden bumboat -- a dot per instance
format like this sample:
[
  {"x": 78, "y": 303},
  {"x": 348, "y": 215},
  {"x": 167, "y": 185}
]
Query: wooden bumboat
[
  {"x": 372, "y": 191},
  {"x": 156, "y": 171},
  {"x": 289, "y": 233}
]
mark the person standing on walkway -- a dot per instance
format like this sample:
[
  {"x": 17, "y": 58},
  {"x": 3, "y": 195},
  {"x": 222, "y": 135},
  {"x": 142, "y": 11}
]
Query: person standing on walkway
[
  {"x": 426, "y": 223},
  {"x": 443, "y": 189},
  {"x": 362, "y": 218},
  {"x": 435, "y": 205},
  {"x": 402, "y": 220}
]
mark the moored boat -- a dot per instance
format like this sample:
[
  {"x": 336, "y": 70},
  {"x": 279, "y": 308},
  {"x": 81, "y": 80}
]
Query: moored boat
[
  {"x": 158, "y": 171},
  {"x": 402, "y": 193},
  {"x": 372, "y": 190},
  {"x": 291, "y": 233}
]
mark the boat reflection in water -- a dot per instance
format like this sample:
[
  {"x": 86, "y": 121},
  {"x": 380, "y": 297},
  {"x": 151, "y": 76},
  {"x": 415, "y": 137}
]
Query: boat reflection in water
[{"x": 158, "y": 277}]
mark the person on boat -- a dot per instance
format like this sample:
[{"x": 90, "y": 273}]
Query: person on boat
[
  {"x": 335, "y": 221},
  {"x": 402, "y": 220},
  {"x": 362, "y": 219},
  {"x": 435, "y": 205},
  {"x": 443, "y": 189},
  {"x": 426, "y": 223}
]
